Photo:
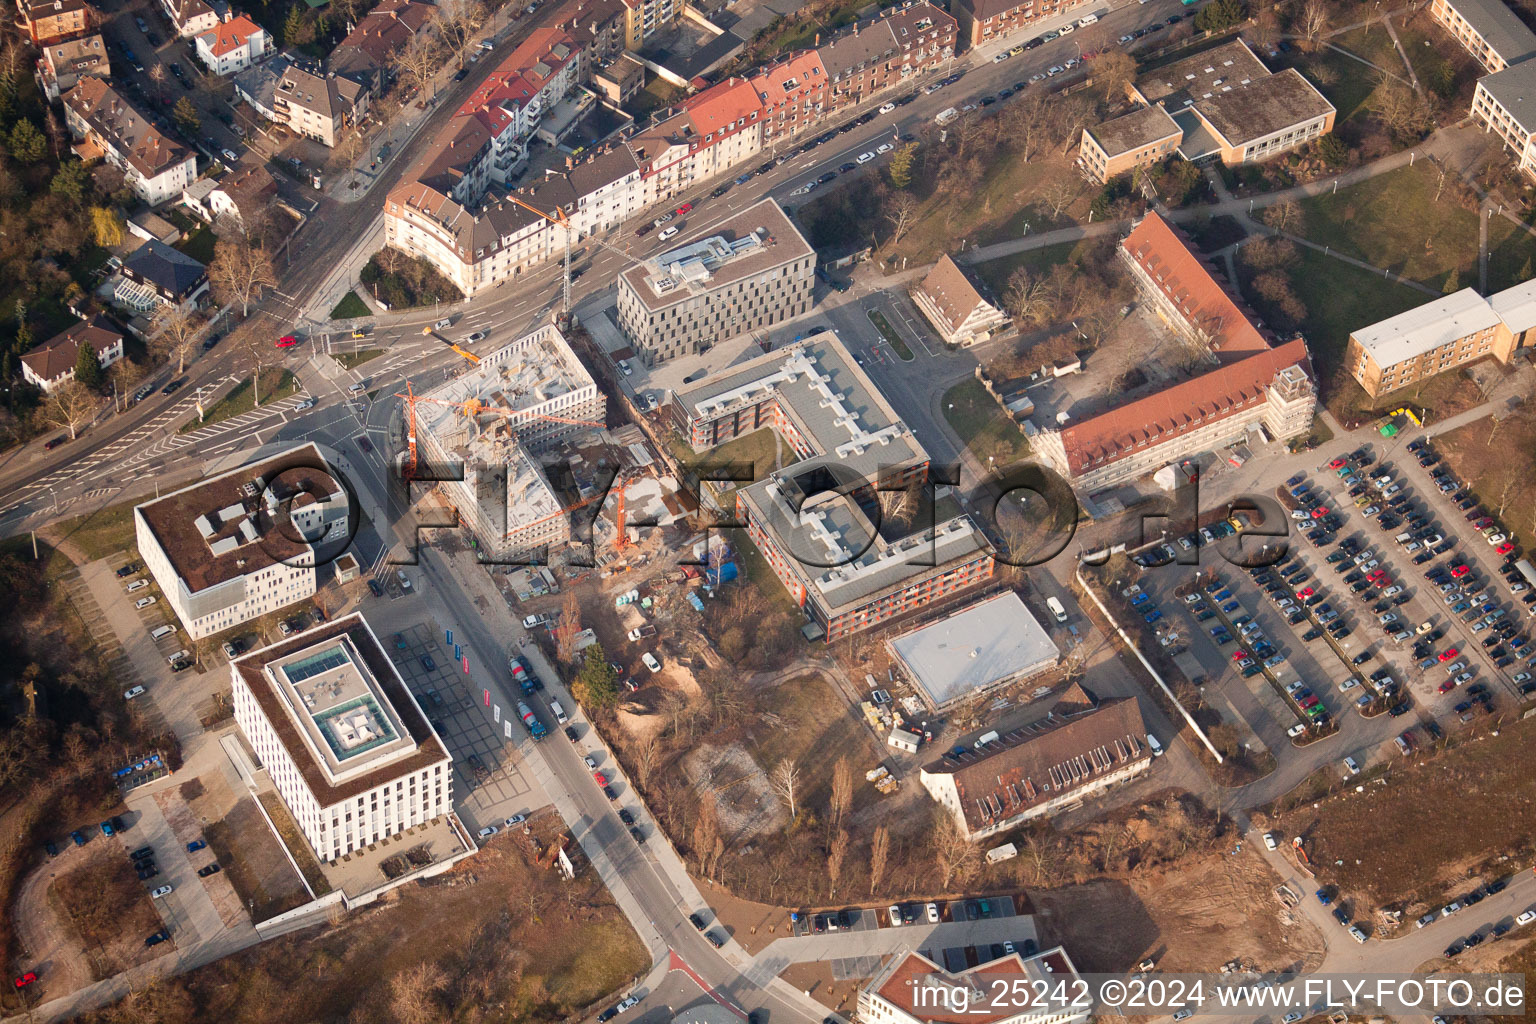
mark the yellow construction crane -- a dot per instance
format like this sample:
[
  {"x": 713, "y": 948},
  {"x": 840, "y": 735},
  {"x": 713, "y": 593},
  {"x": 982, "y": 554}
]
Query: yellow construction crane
[
  {"x": 559, "y": 219},
  {"x": 453, "y": 345}
]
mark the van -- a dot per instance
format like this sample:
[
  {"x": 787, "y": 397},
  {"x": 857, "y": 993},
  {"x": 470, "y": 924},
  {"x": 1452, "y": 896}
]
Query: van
[
  {"x": 1157, "y": 748},
  {"x": 946, "y": 116},
  {"x": 558, "y": 712},
  {"x": 1056, "y": 609},
  {"x": 161, "y": 632},
  {"x": 1352, "y": 766},
  {"x": 1086, "y": 20},
  {"x": 1403, "y": 538}
]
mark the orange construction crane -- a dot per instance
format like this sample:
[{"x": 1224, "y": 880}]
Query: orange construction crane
[
  {"x": 466, "y": 354},
  {"x": 559, "y": 219}
]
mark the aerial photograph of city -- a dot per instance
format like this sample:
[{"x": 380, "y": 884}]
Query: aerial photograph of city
[{"x": 768, "y": 511}]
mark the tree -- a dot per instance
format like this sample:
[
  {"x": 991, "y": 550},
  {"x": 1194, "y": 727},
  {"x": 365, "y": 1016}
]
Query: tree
[
  {"x": 457, "y": 22},
  {"x": 157, "y": 76},
  {"x": 842, "y": 790},
  {"x": 901, "y": 211},
  {"x": 185, "y": 114},
  {"x": 1282, "y": 216},
  {"x": 412, "y": 995},
  {"x": 1333, "y": 150},
  {"x": 73, "y": 181},
  {"x": 88, "y": 370},
  {"x": 1028, "y": 122},
  {"x": 26, "y": 143},
  {"x": 416, "y": 63},
  {"x": 1028, "y": 298},
  {"x": 899, "y": 170},
  {"x": 1114, "y": 71},
  {"x": 569, "y": 626},
  {"x": 1452, "y": 281},
  {"x": 953, "y": 852},
  {"x": 106, "y": 226},
  {"x": 596, "y": 684},
  {"x": 879, "y": 851},
  {"x": 1221, "y": 14},
  {"x": 71, "y": 405},
  {"x": 1312, "y": 25},
  {"x": 835, "y": 854},
  {"x": 258, "y": 350},
  {"x": 785, "y": 779},
  {"x": 1399, "y": 108},
  {"x": 1266, "y": 27},
  {"x": 1059, "y": 192},
  {"x": 297, "y": 29},
  {"x": 172, "y": 331},
  {"x": 240, "y": 272}
]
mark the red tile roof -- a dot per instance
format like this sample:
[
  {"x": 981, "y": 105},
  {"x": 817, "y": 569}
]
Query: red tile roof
[
  {"x": 1158, "y": 417},
  {"x": 1191, "y": 285},
  {"x": 231, "y": 35},
  {"x": 719, "y": 108}
]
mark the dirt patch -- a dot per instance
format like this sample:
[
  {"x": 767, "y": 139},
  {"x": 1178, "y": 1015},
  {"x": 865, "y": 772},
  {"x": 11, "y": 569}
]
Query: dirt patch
[
  {"x": 254, "y": 862},
  {"x": 1496, "y": 459},
  {"x": 815, "y": 977},
  {"x": 743, "y": 797},
  {"x": 1402, "y": 845},
  {"x": 1194, "y": 916},
  {"x": 52, "y": 949},
  {"x": 752, "y": 925},
  {"x": 496, "y": 938},
  {"x": 108, "y": 909}
]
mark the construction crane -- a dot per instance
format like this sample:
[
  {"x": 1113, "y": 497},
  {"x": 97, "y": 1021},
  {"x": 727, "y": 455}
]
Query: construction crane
[
  {"x": 452, "y": 345},
  {"x": 470, "y": 408},
  {"x": 559, "y": 219}
]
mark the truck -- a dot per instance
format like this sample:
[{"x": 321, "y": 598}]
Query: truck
[
  {"x": 522, "y": 674},
  {"x": 1056, "y": 609},
  {"x": 946, "y": 116},
  {"x": 641, "y": 632},
  {"x": 535, "y": 727}
]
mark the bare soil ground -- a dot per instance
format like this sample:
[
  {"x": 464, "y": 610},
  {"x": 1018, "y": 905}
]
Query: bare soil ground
[
  {"x": 743, "y": 797},
  {"x": 106, "y": 908},
  {"x": 1497, "y": 461},
  {"x": 753, "y": 925},
  {"x": 1194, "y": 916},
  {"x": 187, "y": 826},
  {"x": 816, "y": 978},
  {"x": 1357, "y": 840},
  {"x": 254, "y": 862},
  {"x": 47, "y": 941},
  {"x": 1517, "y": 957}
]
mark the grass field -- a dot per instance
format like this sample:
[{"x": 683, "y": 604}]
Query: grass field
[
  {"x": 350, "y": 308},
  {"x": 1407, "y": 844},
  {"x": 889, "y": 334},
  {"x": 107, "y": 532},
  {"x": 815, "y": 724},
  {"x": 1395, "y": 222},
  {"x": 275, "y": 384},
  {"x": 982, "y": 425},
  {"x": 199, "y": 245},
  {"x": 297, "y": 845},
  {"x": 358, "y": 358},
  {"x": 1036, "y": 261},
  {"x": 1511, "y": 255},
  {"x": 755, "y": 449}
]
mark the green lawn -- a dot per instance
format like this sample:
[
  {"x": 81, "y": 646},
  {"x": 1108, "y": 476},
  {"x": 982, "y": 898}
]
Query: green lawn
[
  {"x": 1394, "y": 221},
  {"x": 199, "y": 245},
  {"x": 1350, "y": 85},
  {"x": 1511, "y": 254},
  {"x": 350, "y": 308},
  {"x": 889, "y": 334},
  {"x": 987, "y": 431},
  {"x": 1037, "y": 261},
  {"x": 275, "y": 384},
  {"x": 354, "y": 359},
  {"x": 754, "y": 449}
]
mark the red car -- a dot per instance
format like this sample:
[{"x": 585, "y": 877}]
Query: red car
[
  {"x": 1505, "y": 548},
  {"x": 25, "y": 979},
  {"x": 1376, "y": 574},
  {"x": 1337, "y": 463},
  {"x": 1239, "y": 654},
  {"x": 1308, "y": 702},
  {"x": 1460, "y": 571},
  {"x": 1449, "y": 653},
  {"x": 1320, "y": 511},
  {"x": 1482, "y": 523},
  {"x": 287, "y": 341},
  {"x": 1305, "y": 592},
  {"x": 600, "y": 778},
  {"x": 685, "y": 208},
  {"x": 1447, "y": 686}
]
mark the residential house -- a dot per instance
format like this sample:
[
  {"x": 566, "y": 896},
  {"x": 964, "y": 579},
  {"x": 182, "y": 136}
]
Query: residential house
[
  {"x": 365, "y": 53},
  {"x": 953, "y": 303},
  {"x": 192, "y": 18},
  {"x": 53, "y": 363},
  {"x": 320, "y": 107},
  {"x": 54, "y": 21},
  {"x": 982, "y": 21},
  {"x": 241, "y": 198},
  {"x": 107, "y": 125},
  {"x": 62, "y": 65},
  {"x": 233, "y": 45},
  {"x": 156, "y": 274}
]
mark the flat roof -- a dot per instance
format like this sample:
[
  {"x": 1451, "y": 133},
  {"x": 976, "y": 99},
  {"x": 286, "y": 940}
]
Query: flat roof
[
  {"x": 1503, "y": 31},
  {"x": 1185, "y": 81},
  {"x": 985, "y": 644},
  {"x": 1142, "y": 127},
  {"x": 1424, "y": 328},
  {"x": 1244, "y": 113},
  {"x": 227, "y": 526},
  {"x": 340, "y": 709},
  {"x": 912, "y": 982},
  {"x": 741, "y": 245},
  {"x": 1514, "y": 89}
]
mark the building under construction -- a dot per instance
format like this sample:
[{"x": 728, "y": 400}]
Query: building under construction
[{"x": 493, "y": 419}]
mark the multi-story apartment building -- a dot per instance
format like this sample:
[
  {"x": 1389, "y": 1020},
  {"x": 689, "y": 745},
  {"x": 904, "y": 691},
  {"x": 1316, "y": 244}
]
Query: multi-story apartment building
[
  {"x": 981, "y": 21},
  {"x": 53, "y": 21},
  {"x": 62, "y": 65},
  {"x": 743, "y": 274},
  {"x": 1489, "y": 30},
  {"x": 233, "y": 45},
  {"x": 52, "y": 364},
  {"x": 233, "y": 547},
  {"x": 192, "y": 17},
  {"x": 886, "y": 51},
  {"x": 1505, "y": 104},
  {"x": 1441, "y": 335},
  {"x": 436, "y": 213},
  {"x": 953, "y": 304},
  {"x": 319, "y": 107},
  {"x": 367, "y": 51},
  {"x": 1031, "y": 773},
  {"x": 156, "y": 168},
  {"x": 346, "y": 745},
  {"x": 645, "y": 19},
  {"x": 1227, "y": 106},
  {"x": 516, "y": 401},
  {"x": 911, "y": 989}
]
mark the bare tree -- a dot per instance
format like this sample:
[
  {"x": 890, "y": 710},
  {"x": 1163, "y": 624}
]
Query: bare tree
[
  {"x": 240, "y": 272},
  {"x": 172, "y": 331},
  {"x": 785, "y": 779},
  {"x": 157, "y": 76},
  {"x": 570, "y": 625},
  {"x": 1312, "y": 24},
  {"x": 1059, "y": 192},
  {"x": 1114, "y": 72},
  {"x": 1283, "y": 216},
  {"x": 879, "y": 851},
  {"x": 1401, "y": 110},
  {"x": 842, "y": 790},
  {"x": 1266, "y": 27},
  {"x": 417, "y": 62},
  {"x": 1510, "y": 481},
  {"x": 1028, "y": 298},
  {"x": 70, "y": 405},
  {"x": 901, "y": 211},
  {"x": 706, "y": 832},
  {"x": 411, "y": 995},
  {"x": 1027, "y": 122},
  {"x": 836, "y": 852},
  {"x": 258, "y": 352},
  {"x": 647, "y": 755},
  {"x": 457, "y": 22},
  {"x": 953, "y": 852}
]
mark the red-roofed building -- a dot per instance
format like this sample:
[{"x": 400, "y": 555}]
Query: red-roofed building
[
  {"x": 911, "y": 989},
  {"x": 1187, "y": 293},
  {"x": 233, "y": 45},
  {"x": 383, "y": 32}
]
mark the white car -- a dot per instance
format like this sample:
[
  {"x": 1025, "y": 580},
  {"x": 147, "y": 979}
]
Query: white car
[
  {"x": 308, "y": 403},
  {"x": 1295, "y": 730},
  {"x": 1497, "y": 538},
  {"x": 516, "y": 819},
  {"x": 145, "y": 602},
  {"x": 884, "y": 147},
  {"x": 1450, "y": 908},
  {"x": 1269, "y": 841},
  {"x": 1351, "y": 766},
  {"x": 1054, "y": 70},
  {"x": 164, "y": 890},
  {"x": 866, "y": 156},
  {"x": 670, "y": 232},
  {"x": 650, "y": 661},
  {"x": 137, "y": 691},
  {"x": 1356, "y": 934},
  {"x": 231, "y": 156},
  {"x": 1348, "y": 684},
  {"x": 533, "y": 622},
  {"x": 1292, "y": 1017},
  {"x": 137, "y": 585},
  {"x": 626, "y": 1003},
  {"x": 933, "y": 913},
  {"x": 487, "y": 832},
  {"x": 887, "y": 108},
  {"x": 1526, "y": 918},
  {"x": 895, "y": 913},
  {"x": 1000, "y": 57}
]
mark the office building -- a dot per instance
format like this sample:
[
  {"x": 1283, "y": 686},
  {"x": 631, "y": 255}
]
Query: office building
[
  {"x": 746, "y": 273},
  {"x": 343, "y": 740},
  {"x": 236, "y": 546},
  {"x": 1145, "y": 136},
  {"x": 992, "y": 643}
]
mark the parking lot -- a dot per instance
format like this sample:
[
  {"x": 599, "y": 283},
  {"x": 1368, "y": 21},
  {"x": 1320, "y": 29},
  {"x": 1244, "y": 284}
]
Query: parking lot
[{"x": 502, "y": 786}]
